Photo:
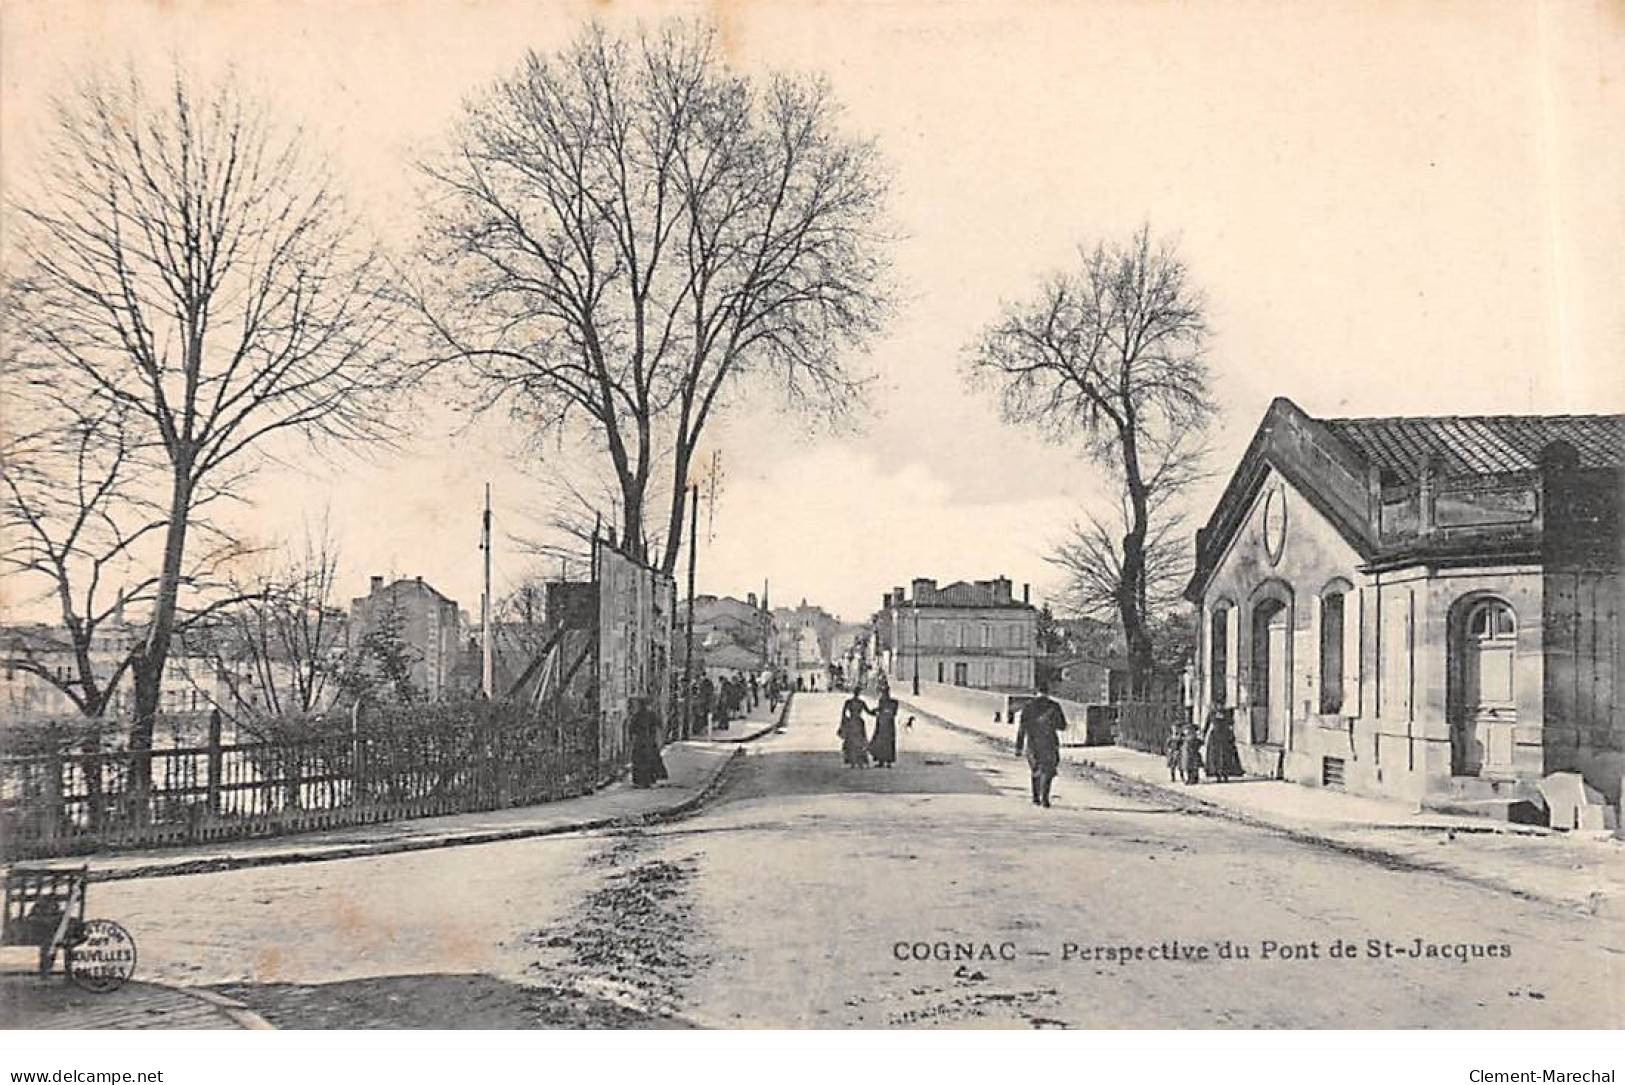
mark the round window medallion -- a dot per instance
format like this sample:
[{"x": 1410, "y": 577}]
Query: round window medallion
[{"x": 1274, "y": 526}]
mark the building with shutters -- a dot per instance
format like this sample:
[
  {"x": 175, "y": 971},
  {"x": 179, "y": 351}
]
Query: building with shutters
[
  {"x": 1426, "y": 608},
  {"x": 969, "y": 633}
]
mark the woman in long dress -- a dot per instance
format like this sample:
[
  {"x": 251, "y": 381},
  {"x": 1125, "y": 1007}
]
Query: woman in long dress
[
  {"x": 883, "y": 743},
  {"x": 648, "y": 768},
  {"x": 1223, "y": 759},
  {"x": 854, "y": 739}
]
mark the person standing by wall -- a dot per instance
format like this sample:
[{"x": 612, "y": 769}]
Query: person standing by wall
[
  {"x": 648, "y": 768},
  {"x": 1223, "y": 759}
]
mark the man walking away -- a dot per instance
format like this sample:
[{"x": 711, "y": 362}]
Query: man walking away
[{"x": 1039, "y": 731}]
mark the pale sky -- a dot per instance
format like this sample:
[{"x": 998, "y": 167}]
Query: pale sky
[{"x": 1392, "y": 208}]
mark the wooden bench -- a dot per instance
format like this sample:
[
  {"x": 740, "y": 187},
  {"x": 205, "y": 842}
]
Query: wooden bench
[{"x": 45, "y": 911}]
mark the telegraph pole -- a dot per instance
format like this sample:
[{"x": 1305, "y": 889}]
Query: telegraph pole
[{"x": 485, "y": 600}]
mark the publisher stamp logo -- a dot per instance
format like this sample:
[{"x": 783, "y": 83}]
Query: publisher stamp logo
[{"x": 103, "y": 959}]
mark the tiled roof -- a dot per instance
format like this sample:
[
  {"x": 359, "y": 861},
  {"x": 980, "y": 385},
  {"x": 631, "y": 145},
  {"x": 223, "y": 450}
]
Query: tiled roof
[
  {"x": 963, "y": 593},
  {"x": 1484, "y": 444}
]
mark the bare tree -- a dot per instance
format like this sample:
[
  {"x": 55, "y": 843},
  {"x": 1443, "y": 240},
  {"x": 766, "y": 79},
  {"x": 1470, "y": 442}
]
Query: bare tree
[
  {"x": 625, "y": 229},
  {"x": 1091, "y": 559},
  {"x": 560, "y": 519},
  {"x": 184, "y": 264},
  {"x": 1113, "y": 353},
  {"x": 278, "y": 650},
  {"x": 76, "y": 520}
]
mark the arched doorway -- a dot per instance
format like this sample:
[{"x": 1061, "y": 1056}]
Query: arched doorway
[
  {"x": 1271, "y": 700},
  {"x": 1484, "y": 713}
]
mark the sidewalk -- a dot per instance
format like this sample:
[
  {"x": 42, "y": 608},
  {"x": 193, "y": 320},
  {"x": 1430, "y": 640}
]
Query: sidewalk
[
  {"x": 754, "y": 724},
  {"x": 1573, "y": 870},
  {"x": 695, "y": 768},
  {"x": 28, "y": 1002}
]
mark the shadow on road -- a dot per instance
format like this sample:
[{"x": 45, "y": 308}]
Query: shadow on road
[{"x": 792, "y": 773}]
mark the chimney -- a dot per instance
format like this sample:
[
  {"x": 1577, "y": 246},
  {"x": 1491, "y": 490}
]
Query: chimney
[
  {"x": 750, "y": 600},
  {"x": 1001, "y": 589},
  {"x": 1027, "y": 594},
  {"x": 924, "y": 588},
  {"x": 377, "y": 585}
]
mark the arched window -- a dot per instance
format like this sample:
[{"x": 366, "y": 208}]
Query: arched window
[
  {"x": 1331, "y": 651},
  {"x": 1491, "y": 620},
  {"x": 1219, "y": 653}
]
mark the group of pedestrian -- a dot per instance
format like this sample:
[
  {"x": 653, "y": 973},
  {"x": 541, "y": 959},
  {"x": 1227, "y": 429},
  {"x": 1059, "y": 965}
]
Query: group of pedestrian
[
  {"x": 1213, "y": 749},
  {"x": 717, "y": 704},
  {"x": 857, "y": 744}
]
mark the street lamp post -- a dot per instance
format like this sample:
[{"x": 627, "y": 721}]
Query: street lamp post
[{"x": 915, "y": 606}]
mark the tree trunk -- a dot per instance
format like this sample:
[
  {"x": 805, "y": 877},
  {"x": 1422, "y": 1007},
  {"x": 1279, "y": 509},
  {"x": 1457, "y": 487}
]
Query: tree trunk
[
  {"x": 632, "y": 520},
  {"x": 1132, "y": 612},
  {"x": 679, "y": 507},
  {"x": 149, "y": 663},
  {"x": 1131, "y": 585}
]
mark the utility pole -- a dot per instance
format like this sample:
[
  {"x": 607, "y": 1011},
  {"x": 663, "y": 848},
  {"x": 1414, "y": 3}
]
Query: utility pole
[
  {"x": 688, "y": 636},
  {"x": 767, "y": 623},
  {"x": 713, "y": 486},
  {"x": 485, "y": 600}
]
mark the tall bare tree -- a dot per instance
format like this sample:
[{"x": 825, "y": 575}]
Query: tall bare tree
[
  {"x": 188, "y": 265},
  {"x": 1112, "y": 353},
  {"x": 78, "y": 527},
  {"x": 623, "y": 230}
]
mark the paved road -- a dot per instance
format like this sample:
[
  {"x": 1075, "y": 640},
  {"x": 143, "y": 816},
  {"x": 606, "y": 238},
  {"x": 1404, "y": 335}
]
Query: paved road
[{"x": 788, "y": 900}]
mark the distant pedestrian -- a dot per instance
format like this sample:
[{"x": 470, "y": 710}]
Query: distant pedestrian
[
  {"x": 727, "y": 701},
  {"x": 883, "y": 744},
  {"x": 648, "y": 768},
  {"x": 1223, "y": 759},
  {"x": 707, "y": 698},
  {"x": 854, "y": 738},
  {"x": 1174, "y": 750},
  {"x": 1039, "y": 731}
]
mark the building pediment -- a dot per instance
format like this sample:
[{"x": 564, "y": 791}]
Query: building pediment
[{"x": 1325, "y": 473}]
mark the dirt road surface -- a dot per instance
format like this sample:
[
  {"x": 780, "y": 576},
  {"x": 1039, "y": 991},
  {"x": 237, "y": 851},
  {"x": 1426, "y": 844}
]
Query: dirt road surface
[{"x": 933, "y": 894}]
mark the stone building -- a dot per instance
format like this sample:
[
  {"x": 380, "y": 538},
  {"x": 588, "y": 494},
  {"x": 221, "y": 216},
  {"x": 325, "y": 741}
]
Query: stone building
[
  {"x": 430, "y": 625},
  {"x": 1426, "y": 608},
  {"x": 965, "y": 634}
]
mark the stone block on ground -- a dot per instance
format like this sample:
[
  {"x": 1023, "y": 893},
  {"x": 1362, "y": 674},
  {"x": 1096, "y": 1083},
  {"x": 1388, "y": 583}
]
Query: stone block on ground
[{"x": 1571, "y": 803}]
